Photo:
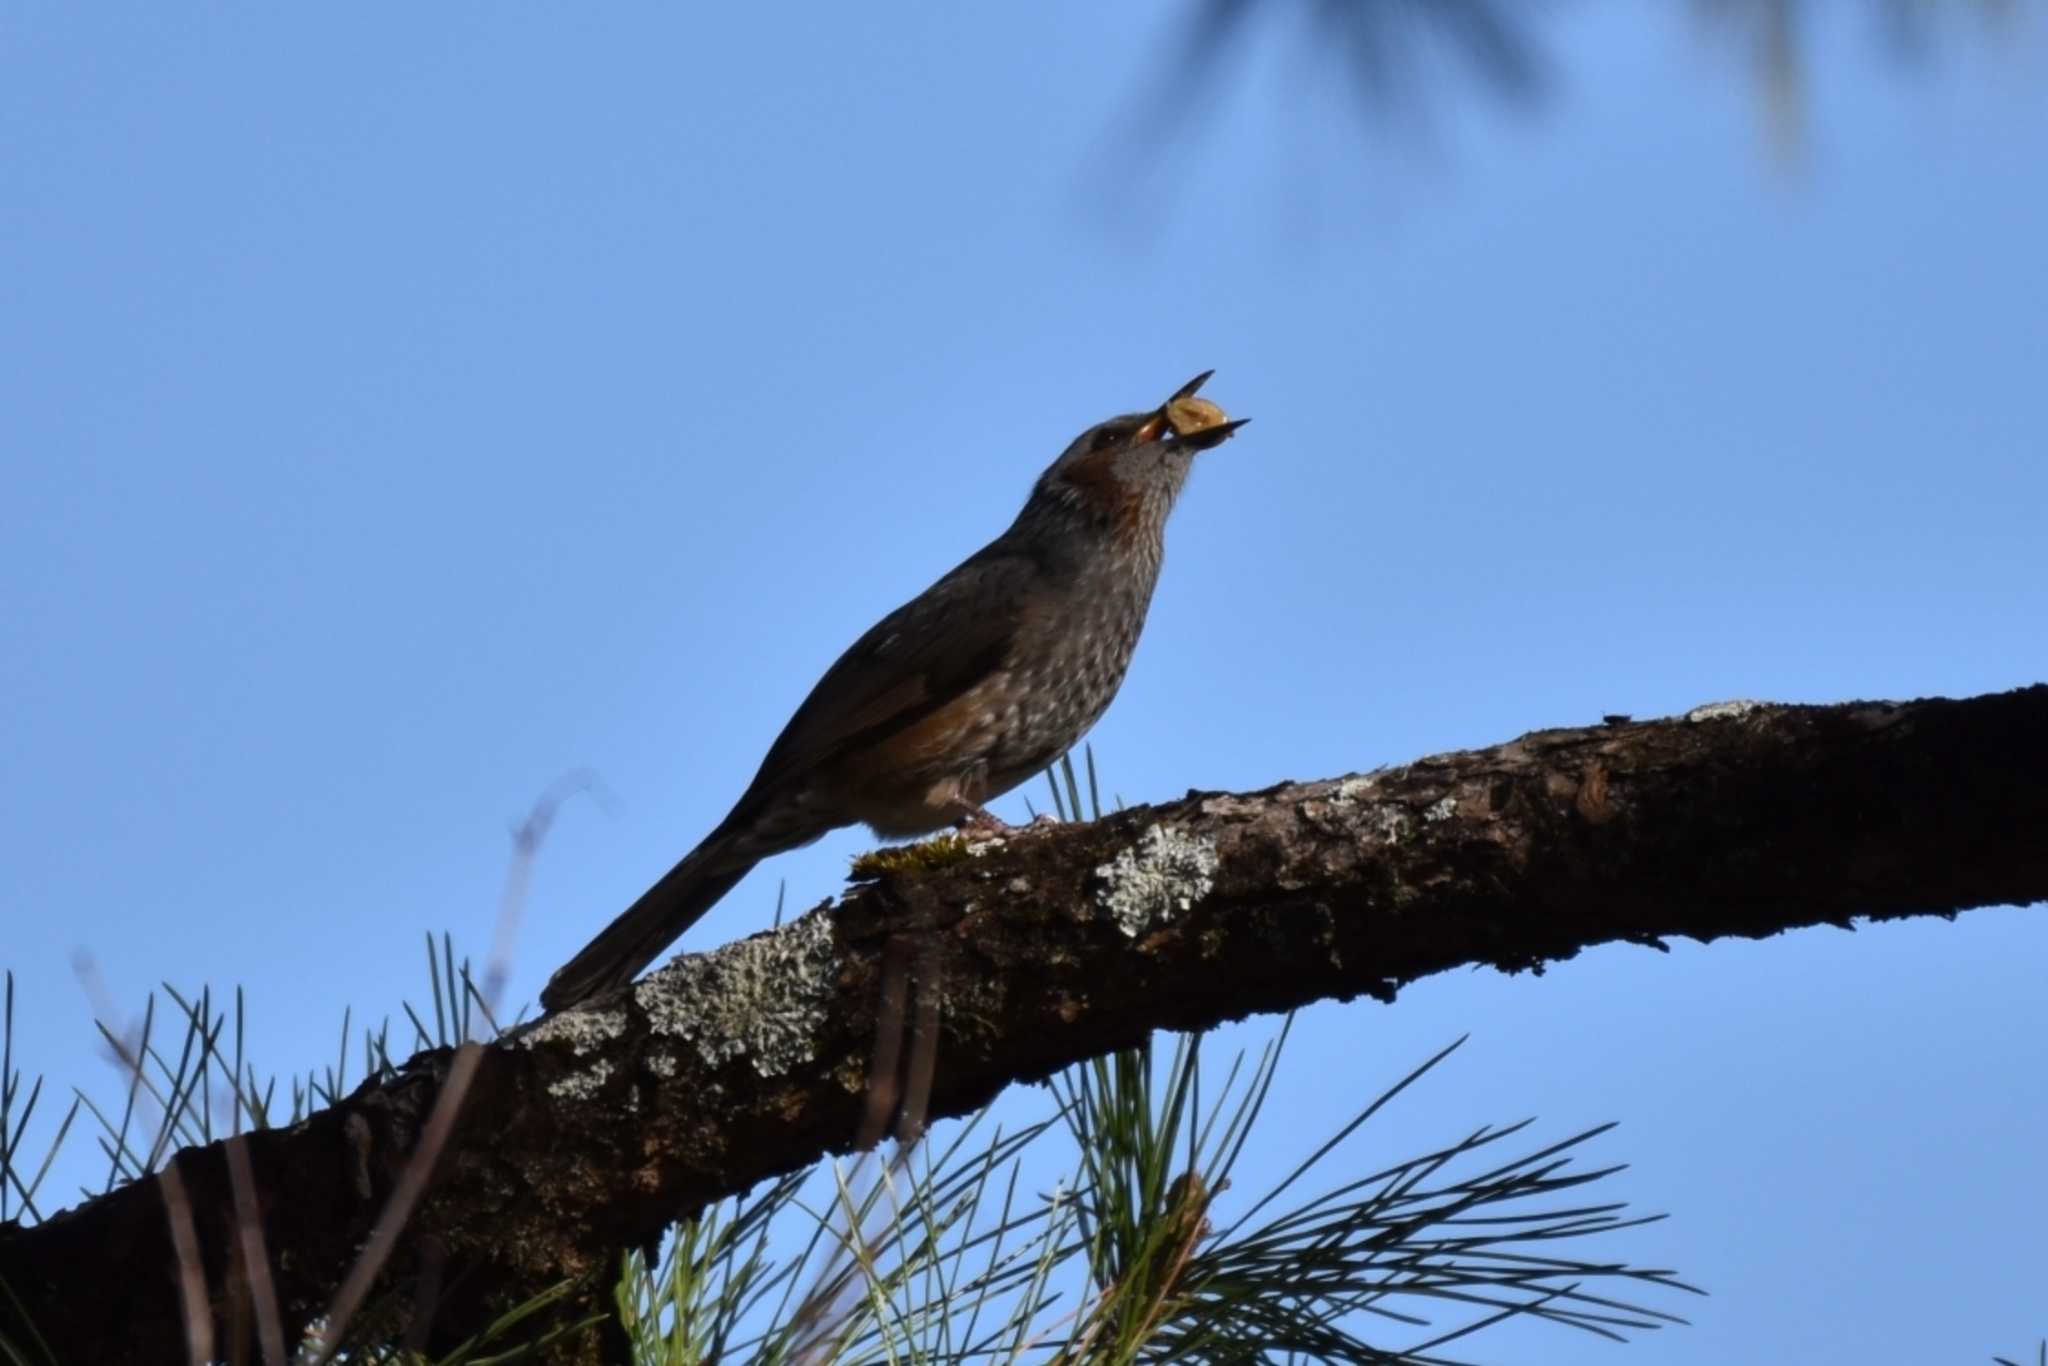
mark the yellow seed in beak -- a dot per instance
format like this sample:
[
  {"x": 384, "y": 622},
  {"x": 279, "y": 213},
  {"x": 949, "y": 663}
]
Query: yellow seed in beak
[{"x": 1191, "y": 415}]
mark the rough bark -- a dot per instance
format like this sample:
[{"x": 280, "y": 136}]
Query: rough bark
[{"x": 593, "y": 1129}]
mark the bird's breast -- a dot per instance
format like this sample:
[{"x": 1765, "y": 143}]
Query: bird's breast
[{"x": 1064, "y": 669}]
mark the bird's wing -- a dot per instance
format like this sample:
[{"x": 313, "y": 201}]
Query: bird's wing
[{"x": 912, "y": 662}]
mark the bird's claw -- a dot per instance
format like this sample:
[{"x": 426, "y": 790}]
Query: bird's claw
[{"x": 982, "y": 821}]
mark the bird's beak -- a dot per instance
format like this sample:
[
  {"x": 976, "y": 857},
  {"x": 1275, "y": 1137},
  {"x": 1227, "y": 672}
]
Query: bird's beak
[
  {"x": 1208, "y": 438},
  {"x": 1197, "y": 423}
]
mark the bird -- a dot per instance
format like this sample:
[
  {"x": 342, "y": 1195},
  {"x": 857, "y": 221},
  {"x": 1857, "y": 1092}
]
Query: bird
[{"x": 960, "y": 694}]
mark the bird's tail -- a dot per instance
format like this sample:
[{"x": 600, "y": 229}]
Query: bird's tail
[{"x": 663, "y": 912}]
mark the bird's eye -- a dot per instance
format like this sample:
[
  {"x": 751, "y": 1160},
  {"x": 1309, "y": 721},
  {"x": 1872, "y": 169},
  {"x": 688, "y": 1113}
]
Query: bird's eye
[{"x": 1105, "y": 438}]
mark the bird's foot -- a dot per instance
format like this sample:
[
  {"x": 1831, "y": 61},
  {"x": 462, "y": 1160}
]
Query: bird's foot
[{"x": 981, "y": 821}]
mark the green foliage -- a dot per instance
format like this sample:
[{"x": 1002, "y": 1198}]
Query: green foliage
[
  {"x": 506, "y": 1341},
  {"x": 205, "y": 1085},
  {"x": 718, "y": 1270},
  {"x": 940, "y": 1257},
  {"x": 907, "y": 1261},
  {"x": 17, "y": 1189}
]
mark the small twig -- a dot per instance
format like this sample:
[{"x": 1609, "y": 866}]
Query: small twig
[
  {"x": 192, "y": 1296},
  {"x": 526, "y": 841},
  {"x": 405, "y": 1195},
  {"x": 255, "y": 1258},
  {"x": 897, "y": 1087},
  {"x": 885, "y": 1063},
  {"x": 426, "y": 1298},
  {"x": 412, "y": 1182},
  {"x": 924, "y": 1061},
  {"x": 191, "y": 1271}
]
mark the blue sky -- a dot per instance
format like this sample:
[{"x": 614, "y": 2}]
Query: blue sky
[{"x": 400, "y": 415}]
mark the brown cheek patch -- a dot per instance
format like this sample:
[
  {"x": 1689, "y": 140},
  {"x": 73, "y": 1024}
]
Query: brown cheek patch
[{"x": 1095, "y": 476}]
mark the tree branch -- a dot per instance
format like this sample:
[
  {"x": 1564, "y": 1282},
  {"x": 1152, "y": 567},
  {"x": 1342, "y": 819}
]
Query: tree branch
[{"x": 594, "y": 1129}]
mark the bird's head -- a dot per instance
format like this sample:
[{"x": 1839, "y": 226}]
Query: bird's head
[{"x": 1122, "y": 476}]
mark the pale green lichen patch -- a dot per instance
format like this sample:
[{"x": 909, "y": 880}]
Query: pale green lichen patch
[
  {"x": 585, "y": 1031},
  {"x": 583, "y": 1083},
  {"x": 1349, "y": 790},
  {"x": 763, "y": 999},
  {"x": 1388, "y": 823},
  {"x": 1331, "y": 804},
  {"x": 1166, "y": 872},
  {"x": 1442, "y": 809},
  {"x": 1723, "y": 711}
]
